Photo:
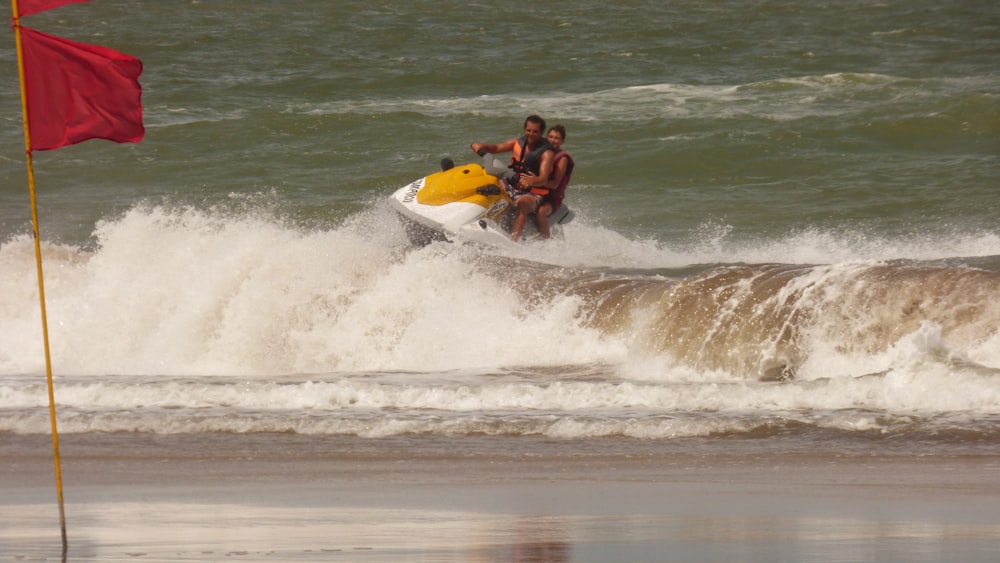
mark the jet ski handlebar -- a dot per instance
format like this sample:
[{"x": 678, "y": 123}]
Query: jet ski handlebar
[{"x": 496, "y": 167}]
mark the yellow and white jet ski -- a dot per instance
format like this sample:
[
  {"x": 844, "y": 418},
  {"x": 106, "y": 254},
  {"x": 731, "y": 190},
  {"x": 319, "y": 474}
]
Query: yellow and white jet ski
[{"x": 466, "y": 204}]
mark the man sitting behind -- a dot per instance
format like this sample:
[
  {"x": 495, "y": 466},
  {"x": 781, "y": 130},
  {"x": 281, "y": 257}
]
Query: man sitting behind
[{"x": 562, "y": 171}]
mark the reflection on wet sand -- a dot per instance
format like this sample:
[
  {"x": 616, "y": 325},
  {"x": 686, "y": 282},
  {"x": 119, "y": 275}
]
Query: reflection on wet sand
[
  {"x": 255, "y": 531},
  {"x": 527, "y": 539},
  {"x": 486, "y": 508}
]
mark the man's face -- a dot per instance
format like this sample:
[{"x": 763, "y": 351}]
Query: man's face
[{"x": 532, "y": 132}]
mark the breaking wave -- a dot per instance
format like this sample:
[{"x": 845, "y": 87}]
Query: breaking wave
[{"x": 183, "y": 291}]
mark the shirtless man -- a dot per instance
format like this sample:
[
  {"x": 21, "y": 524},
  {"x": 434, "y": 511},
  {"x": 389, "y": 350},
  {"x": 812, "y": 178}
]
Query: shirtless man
[{"x": 531, "y": 158}]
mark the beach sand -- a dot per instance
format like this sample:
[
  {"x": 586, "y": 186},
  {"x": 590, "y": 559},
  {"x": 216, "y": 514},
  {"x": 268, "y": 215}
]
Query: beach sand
[{"x": 292, "y": 498}]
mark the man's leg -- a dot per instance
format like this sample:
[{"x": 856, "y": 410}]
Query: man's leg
[{"x": 525, "y": 205}]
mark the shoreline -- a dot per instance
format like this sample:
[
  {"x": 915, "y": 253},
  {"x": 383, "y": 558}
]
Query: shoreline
[
  {"x": 212, "y": 459},
  {"x": 411, "y": 499}
]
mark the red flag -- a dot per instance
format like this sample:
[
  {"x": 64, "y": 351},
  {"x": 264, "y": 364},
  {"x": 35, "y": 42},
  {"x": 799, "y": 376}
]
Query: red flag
[
  {"x": 77, "y": 92},
  {"x": 28, "y": 7}
]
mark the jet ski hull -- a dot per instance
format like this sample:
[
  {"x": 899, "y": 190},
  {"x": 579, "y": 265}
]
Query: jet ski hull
[{"x": 464, "y": 203}]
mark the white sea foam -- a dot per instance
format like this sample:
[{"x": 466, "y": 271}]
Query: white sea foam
[
  {"x": 182, "y": 292},
  {"x": 590, "y": 245},
  {"x": 186, "y": 291},
  {"x": 779, "y": 99},
  {"x": 380, "y": 406}
]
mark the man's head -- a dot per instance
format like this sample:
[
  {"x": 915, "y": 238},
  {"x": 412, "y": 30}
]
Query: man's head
[{"x": 533, "y": 128}]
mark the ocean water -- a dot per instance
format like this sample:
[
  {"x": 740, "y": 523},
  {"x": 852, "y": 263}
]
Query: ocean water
[{"x": 788, "y": 229}]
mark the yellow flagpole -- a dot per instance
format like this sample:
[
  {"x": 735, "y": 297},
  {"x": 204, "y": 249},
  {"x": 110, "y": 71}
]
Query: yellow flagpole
[{"x": 38, "y": 262}]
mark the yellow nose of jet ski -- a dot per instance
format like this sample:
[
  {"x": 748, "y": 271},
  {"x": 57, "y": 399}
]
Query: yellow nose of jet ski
[{"x": 456, "y": 184}]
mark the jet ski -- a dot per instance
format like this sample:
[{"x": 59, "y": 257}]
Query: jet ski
[{"x": 470, "y": 203}]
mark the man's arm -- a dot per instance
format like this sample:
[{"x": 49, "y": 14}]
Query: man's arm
[
  {"x": 558, "y": 175},
  {"x": 544, "y": 170},
  {"x": 493, "y": 148}
]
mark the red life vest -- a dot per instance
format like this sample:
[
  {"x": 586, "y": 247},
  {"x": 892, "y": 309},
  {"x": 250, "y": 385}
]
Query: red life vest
[{"x": 556, "y": 195}]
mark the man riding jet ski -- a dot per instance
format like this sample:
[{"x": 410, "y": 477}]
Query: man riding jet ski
[
  {"x": 476, "y": 202},
  {"x": 531, "y": 159}
]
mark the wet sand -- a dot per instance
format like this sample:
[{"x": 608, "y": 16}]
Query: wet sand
[{"x": 230, "y": 499}]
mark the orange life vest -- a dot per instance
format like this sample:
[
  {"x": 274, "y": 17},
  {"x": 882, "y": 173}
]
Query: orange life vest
[{"x": 524, "y": 161}]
